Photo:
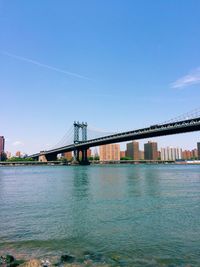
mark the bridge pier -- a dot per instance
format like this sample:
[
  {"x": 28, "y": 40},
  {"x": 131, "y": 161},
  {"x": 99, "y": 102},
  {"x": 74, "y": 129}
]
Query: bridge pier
[
  {"x": 77, "y": 155},
  {"x": 42, "y": 158},
  {"x": 84, "y": 159},
  {"x": 81, "y": 157}
]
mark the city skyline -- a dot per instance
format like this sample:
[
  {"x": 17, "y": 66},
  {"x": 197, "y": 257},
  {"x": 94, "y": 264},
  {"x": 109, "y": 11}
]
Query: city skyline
[
  {"x": 99, "y": 62},
  {"x": 123, "y": 146},
  {"x": 150, "y": 151}
]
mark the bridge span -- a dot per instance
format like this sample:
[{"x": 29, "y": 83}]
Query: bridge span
[{"x": 184, "y": 126}]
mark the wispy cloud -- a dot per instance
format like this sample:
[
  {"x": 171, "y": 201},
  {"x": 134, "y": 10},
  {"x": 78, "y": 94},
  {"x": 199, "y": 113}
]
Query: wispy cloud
[
  {"x": 44, "y": 65},
  {"x": 192, "y": 78},
  {"x": 18, "y": 143}
]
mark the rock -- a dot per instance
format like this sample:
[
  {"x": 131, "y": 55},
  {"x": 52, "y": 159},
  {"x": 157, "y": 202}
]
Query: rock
[
  {"x": 15, "y": 263},
  {"x": 6, "y": 260},
  {"x": 9, "y": 259},
  {"x": 116, "y": 258},
  {"x": 67, "y": 258},
  {"x": 73, "y": 265},
  {"x": 32, "y": 263},
  {"x": 45, "y": 263},
  {"x": 95, "y": 257},
  {"x": 1, "y": 260}
]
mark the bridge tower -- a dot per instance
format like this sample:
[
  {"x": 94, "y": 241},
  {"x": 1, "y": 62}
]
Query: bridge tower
[
  {"x": 84, "y": 131},
  {"x": 77, "y": 126},
  {"x": 83, "y": 127}
]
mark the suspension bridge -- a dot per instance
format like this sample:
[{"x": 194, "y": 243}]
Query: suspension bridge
[{"x": 80, "y": 137}]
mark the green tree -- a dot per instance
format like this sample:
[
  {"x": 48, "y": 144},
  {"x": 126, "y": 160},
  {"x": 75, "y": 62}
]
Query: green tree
[
  {"x": 126, "y": 158},
  {"x": 14, "y": 159},
  {"x": 64, "y": 160}
]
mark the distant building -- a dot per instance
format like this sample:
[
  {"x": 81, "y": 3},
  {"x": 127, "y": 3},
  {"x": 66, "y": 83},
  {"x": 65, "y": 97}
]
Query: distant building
[
  {"x": 122, "y": 154},
  {"x": 18, "y": 154},
  {"x": 132, "y": 150},
  {"x": 2, "y": 144},
  {"x": 109, "y": 152},
  {"x": 89, "y": 153},
  {"x": 142, "y": 155},
  {"x": 171, "y": 153},
  {"x": 8, "y": 154},
  {"x": 198, "y": 148},
  {"x": 186, "y": 154},
  {"x": 68, "y": 155},
  {"x": 95, "y": 154},
  {"x": 194, "y": 153},
  {"x": 151, "y": 151}
]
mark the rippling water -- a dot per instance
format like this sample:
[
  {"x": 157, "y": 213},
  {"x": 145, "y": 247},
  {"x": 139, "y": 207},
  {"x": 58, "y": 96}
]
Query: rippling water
[{"x": 145, "y": 215}]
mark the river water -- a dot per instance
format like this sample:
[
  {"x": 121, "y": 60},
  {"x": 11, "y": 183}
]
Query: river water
[{"x": 138, "y": 215}]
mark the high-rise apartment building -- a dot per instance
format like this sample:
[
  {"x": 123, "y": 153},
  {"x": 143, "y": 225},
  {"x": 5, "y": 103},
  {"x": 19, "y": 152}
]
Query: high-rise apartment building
[
  {"x": 151, "y": 151},
  {"x": 2, "y": 144},
  {"x": 198, "y": 147},
  {"x": 171, "y": 153},
  {"x": 132, "y": 150},
  {"x": 109, "y": 152}
]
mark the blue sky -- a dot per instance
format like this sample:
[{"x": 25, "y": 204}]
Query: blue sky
[{"x": 118, "y": 65}]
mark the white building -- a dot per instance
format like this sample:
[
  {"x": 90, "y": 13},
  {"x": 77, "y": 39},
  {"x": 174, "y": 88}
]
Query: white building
[{"x": 171, "y": 153}]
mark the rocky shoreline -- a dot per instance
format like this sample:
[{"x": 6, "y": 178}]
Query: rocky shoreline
[{"x": 89, "y": 259}]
